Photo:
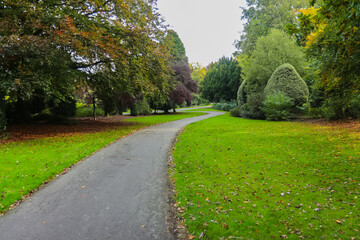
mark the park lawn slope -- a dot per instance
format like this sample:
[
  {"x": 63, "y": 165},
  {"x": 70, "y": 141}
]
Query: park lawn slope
[
  {"x": 27, "y": 165},
  {"x": 250, "y": 179}
]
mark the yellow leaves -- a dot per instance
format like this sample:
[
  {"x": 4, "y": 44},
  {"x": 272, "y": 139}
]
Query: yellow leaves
[{"x": 309, "y": 11}]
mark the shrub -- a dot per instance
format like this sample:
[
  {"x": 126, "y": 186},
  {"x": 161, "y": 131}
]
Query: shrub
[
  {"x": 225, "y": 106},
  {"x": 198, "y": 100},
  {"x": 286, "y": 79},
  {"x": 333, "y": 108},
  {"x": 236, "y": 112},
  {"x": 277, "y": 106},
  {"x": 252, "y": 109},
  {"x": 144, "y": 108},
  {"x": 88, "y": 111}
]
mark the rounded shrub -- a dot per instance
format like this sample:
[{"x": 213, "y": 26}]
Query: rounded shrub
[{"x": 286, "y": 79}]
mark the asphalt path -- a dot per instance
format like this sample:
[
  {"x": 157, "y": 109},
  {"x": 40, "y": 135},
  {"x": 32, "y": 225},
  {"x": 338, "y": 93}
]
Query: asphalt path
[{"x": 120, "y": 192}]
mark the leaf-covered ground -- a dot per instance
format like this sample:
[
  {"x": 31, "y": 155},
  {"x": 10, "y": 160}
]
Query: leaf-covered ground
[
  {"x": 250, "y": 179},
  {"x": 50, "y": 149}
]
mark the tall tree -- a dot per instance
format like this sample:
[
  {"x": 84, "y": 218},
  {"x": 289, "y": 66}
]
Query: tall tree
[
  {"x": 332, "y": 37},
  {"x": 270, "y": 52},
  {"x": 263, "y": 15},
  {"x": 222, "y": 80},
  {"x": 183, "y": 84},
  {"x": 57, "y": 45}
]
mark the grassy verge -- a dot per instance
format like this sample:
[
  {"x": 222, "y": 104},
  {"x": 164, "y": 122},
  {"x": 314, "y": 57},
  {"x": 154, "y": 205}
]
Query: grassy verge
[
  {"x": 27, "y": 165},
  {"x": 248, "y": 179}
]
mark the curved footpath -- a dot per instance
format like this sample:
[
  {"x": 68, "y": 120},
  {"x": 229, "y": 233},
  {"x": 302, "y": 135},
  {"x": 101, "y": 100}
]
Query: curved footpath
[{"x": 120, "y": 192}]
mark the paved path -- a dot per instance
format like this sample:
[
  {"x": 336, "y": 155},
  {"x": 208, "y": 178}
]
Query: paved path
[{"x": 118, "y": 193}]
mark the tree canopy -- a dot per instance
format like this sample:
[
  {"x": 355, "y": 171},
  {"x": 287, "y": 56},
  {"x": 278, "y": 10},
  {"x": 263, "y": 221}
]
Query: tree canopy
[
  {"x": 270, "y": 52},
  {"x": 263, "y": 15},
  {"x": 113, "y": 46},
  {"x": 222, "y": 80},
  {"x": 331, "y": 36}
]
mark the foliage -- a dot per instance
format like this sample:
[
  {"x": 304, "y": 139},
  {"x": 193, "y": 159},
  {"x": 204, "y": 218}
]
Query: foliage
[
  {"x": 197, "y": 72},
  {"x": 88, "y": 111},
  {"x": 270, "y": 52},
  {"x": 331, "y": 36},
  {"x": 56, "y": 46},
  {"x": 64, "y": 107},
  {"x": 144, "y": 107},
  {"x": 241, "y": 94},
  {"x": 222, "y": 80},
  {"x": 354, "y": 109},
  {"x": 181, "y": 82},
  {"x": 175, "y": 45},
  {"x": 249, "y": 179},
  {"x": 134, "y": 109},
  {"x": 198, "y": 100},
  {"x": 263, "y": 15},
  {"x": 277, "y": 106},
  {"x": 285, "y": 79},
  {"x": 236, "y": 112},
  {"x": 225, "y": 106},
  {"x": 253, "y": 107}
]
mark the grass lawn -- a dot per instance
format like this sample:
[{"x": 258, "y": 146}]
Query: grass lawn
[
  {"x": 252, "y": 179},
  {"x": 27, "y": 165}
]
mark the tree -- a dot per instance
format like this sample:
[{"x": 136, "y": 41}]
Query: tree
[
  {"x": 270, "y": 52},
  {"x": 332, "y": 37},
  {"x": 222, "y": 80},
  {"x": 182, "y": 83},
  {"x": 197, "y": 72},
  {"x": 55, "y": 46},
  {"x": 264, "y": 15}
]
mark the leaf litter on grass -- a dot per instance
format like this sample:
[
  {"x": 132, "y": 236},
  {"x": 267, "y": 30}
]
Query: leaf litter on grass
[{"x": 277, "y": 179}]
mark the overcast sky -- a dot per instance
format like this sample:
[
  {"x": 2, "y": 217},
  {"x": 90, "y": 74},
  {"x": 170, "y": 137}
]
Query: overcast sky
[{"x": 208, "y": 28}]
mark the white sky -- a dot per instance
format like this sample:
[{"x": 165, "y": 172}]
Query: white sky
[{"x": 208, "y": 28}]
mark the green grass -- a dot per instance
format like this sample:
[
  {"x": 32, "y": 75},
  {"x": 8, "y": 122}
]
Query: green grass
[
  {"x": 251, "y": 179},
  {"x": 27, "y": 165}
]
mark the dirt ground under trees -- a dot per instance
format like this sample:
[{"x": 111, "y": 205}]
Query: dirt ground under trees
[{"x": 21, "y": 132}]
